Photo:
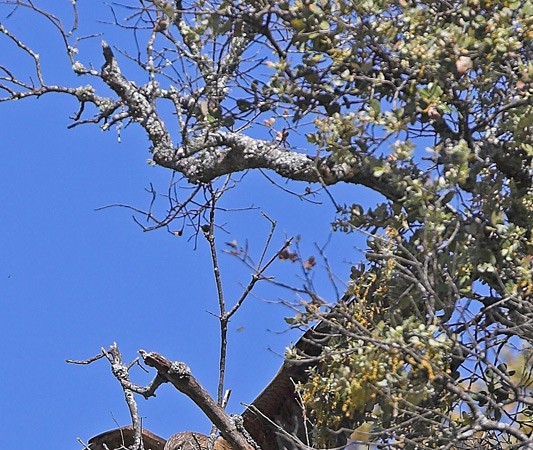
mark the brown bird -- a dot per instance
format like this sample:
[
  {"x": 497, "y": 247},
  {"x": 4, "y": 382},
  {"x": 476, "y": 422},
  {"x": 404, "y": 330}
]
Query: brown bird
[{"x": 121, "y": 438}]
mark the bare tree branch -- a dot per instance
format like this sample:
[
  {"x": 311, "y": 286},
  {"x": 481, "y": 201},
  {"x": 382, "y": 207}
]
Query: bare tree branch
[{"x": 179, "y": 375}]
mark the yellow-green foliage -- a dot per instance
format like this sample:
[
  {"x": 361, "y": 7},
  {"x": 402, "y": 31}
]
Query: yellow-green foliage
[{"x": 374, "y": 363}]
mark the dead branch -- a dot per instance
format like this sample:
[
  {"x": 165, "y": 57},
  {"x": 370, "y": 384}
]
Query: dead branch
[
  {"x": 121, "y": 373},
  {"x": 179, "y": 375}
]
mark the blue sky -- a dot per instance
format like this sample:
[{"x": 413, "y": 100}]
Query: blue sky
[{"x": 73, "y": 280}]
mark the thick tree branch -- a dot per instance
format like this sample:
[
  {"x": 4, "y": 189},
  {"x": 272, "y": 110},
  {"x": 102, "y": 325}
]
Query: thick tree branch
[{"x": 221, "y": 153}]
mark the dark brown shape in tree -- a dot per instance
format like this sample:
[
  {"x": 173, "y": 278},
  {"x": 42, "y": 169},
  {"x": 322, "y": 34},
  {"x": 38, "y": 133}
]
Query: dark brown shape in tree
[
  {"x": 270, "y": 420},
  {"x": 123, "y": 438}
]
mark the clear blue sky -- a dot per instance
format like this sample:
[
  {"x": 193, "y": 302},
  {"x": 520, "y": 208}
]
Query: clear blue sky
[{"x": 73, "y": 279}]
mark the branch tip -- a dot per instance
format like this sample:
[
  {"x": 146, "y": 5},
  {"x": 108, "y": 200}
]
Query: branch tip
[{"x": 108, "y": 53}]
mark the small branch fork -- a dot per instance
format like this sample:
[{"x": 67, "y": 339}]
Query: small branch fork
[
  {"x": 226, "y": 314},
  {"x": 121, "y": 373},
  {"x": 180, "y": 376}
]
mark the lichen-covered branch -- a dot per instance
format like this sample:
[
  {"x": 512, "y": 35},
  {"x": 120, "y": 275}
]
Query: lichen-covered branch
[
  {"x": 121, "y": 373},
  {"x": 180, "y": 376}
]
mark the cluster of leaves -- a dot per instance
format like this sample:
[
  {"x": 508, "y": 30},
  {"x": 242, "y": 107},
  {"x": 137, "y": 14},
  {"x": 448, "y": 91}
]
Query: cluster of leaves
[
  {"x": 381, "y": 366},
  {"x": 384, "y": 75},
  {"x": 421, "y": 351},
  {"x": 460, "y": 271}
]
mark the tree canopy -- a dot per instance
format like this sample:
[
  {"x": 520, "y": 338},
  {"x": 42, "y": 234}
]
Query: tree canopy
[{"x": 428, "y": 104}]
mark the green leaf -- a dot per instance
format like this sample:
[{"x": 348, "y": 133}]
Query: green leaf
[
  {"x": 375, "y": 106},
  {"x": 311, "y": 138},
  {"x": 315, "y": 9},
  {"x": 244, "y": 105},
  {"x": 324, "y": 25},
  {"x": 298, "y": 24}
]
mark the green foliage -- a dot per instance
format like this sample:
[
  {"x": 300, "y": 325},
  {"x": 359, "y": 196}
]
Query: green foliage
[
  {"x": 430, "y": 104},
  {"x": 460, "y": 232}
]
